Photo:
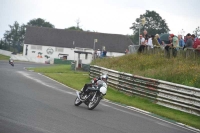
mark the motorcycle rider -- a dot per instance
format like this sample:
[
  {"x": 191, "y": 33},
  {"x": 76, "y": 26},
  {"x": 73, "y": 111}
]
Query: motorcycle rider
[
  {"x": 10, "y": 60},
  {"x": 94, "y": 82}
]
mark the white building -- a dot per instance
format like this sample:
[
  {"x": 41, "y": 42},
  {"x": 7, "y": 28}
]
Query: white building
[{"x": 49, "y": 44}]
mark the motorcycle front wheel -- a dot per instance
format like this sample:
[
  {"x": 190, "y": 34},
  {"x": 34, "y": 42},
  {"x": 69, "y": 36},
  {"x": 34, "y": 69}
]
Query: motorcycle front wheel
[
  {"x": 77, "y": 101},
  {"x": 94, "y": 103}
]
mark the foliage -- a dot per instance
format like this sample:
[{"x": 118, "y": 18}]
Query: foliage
[
  {"x": 75, "y": 28},
  {"x": 197, "y": 32},
  {"x": 14, "y": 37},
  {"x": 39, "y": 22},
  {"x": 178, "y": 70},
  {"x": 155, "y": 24}
]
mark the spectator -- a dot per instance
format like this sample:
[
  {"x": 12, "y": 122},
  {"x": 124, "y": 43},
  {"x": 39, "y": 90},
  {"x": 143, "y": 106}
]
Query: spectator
[
  {"x": 158, "y": 38},
  {"x": 98, "y": 53},
  {"x": 189, "y": 41},
  {"x": 181, "y": 41},
  {"x": 175, "y": 45},
  {"x": 145, "y": 35},
  {"x": 126, "y": 51},
  {"x": 168, "y": 45},
  {"x": 196, "y": 44},
  {"x": 155, "y": 41},
  {"x": 142, "y": 44},
  {"x": 175, "y": 42},
  {"x": 150, "y": 42},
  {"x": 185, "y": 39},
  {"x": 104, "y": 53}
]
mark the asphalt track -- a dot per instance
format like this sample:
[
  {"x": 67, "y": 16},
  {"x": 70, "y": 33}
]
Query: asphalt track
[{"x": 33, "y": 103}]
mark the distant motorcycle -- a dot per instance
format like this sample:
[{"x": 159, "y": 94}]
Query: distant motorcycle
[
  {"x": 11, "y": 62},
  {"x": 93, "y": 95}
]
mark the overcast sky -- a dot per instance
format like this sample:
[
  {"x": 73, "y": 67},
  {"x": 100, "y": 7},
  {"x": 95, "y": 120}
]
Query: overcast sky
[{"x": 106, "y": 16}]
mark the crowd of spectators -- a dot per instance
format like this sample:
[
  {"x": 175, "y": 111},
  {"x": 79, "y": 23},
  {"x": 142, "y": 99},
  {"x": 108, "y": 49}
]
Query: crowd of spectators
[{"x": 174, "y": 42}]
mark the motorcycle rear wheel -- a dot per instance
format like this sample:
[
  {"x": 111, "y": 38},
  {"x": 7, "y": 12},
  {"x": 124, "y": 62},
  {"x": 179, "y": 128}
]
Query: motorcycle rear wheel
[{"x": 77, "y": 101}]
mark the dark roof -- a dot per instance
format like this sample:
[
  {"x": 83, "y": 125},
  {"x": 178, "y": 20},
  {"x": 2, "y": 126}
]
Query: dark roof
[{"x": 64, "y": 38}]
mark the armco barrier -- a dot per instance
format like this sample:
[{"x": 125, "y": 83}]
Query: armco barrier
[{"x": 176, "y": 96}]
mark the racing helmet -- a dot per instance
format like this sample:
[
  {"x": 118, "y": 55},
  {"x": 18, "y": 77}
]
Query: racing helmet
[{"x": 104, "y": 77}]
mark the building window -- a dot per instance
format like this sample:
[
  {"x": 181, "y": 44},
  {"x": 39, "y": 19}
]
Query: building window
[
  {"x": 36, "y": 47},
  {"x": 59, "y": 49}
]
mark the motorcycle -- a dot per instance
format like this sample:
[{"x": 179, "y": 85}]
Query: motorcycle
[
  {"x": 11, "y": 62},
  {"x": 92, "y": 96}
]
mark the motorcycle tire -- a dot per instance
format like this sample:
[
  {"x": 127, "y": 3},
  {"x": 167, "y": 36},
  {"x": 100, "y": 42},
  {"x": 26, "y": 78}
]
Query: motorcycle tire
[
  {"x": 94, "y": 103},
  {"x": 77, "y": 101}
]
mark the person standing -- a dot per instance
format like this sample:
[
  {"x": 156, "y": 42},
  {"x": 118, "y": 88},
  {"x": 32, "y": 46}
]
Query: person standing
[
  {"x": 189, "y": 43},
  {"x": 142, "y": 44},
  {"x": 145, "y": 35},
  {"x": 155, "y": 41},
  {"x": 104, "y": 53},
  {"x": 126, "y": 51},
  {"x": 98, "y": 53},
  {"x": 158, "y": 38},
  {"x": 168, "y": 45},
  {"x": 181, "y": 41},
  {"x": 150, "y": 44},
  {"x": 196, "y": 44}
]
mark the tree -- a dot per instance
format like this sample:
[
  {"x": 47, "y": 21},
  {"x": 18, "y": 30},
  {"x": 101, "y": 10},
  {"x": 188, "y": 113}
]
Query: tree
[
  {"x": 40, "y": 23},
  {"x": 197, "y": 32},
  {"x": 74, "y": 28},
  {"x": 154, "y": 25},
  {"x": 1, "y": 44},
  {"x": 14, "y": 37}
]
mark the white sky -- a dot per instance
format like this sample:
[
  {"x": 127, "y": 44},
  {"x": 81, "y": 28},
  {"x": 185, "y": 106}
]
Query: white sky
[{"x": 106, "y": 16}]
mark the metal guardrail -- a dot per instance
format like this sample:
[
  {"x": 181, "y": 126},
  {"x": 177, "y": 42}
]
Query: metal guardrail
[{"x": 176, "y": 96}]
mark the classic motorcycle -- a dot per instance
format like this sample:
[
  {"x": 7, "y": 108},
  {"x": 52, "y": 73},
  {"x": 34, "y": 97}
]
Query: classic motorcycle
[
  {"x": 92, "y": 96},
  {"x": 11, "y": 62}
]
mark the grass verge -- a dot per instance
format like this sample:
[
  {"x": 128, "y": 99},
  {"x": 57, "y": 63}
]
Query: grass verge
[
  {"x": 76, "y": 80},
  {"x": 3, "y": 57}
]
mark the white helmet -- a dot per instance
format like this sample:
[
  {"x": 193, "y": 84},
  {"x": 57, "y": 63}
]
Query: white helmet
[{"x": 104, "y": 77}]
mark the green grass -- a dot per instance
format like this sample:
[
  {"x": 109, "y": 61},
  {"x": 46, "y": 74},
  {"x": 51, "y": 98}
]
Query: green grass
[
  {"x": 178, "y": 70},
  {"x": 63, "y": 74},
  {"x": 3, "y": 57},
  {"x": 76, "y": 80}
]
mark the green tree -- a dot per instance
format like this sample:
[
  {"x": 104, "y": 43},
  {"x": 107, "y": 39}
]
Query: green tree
[
  {"x": 1, "y": 44},
  {"x": 14, "y": 37},
  {"x": 197, "y": 32},
  {"x": 4, "y": 45},
  {"x": 75, "y": 28},
  {"x": 40, "y": 23},
  {"x": 154, "y": 25}
]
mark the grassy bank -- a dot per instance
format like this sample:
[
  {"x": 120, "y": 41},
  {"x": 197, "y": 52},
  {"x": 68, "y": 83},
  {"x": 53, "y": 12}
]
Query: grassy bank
[
  {"x": 3, "y": 57},
  {"x": 178, "y": 70},
  {"x": 76, "y": 80}
]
